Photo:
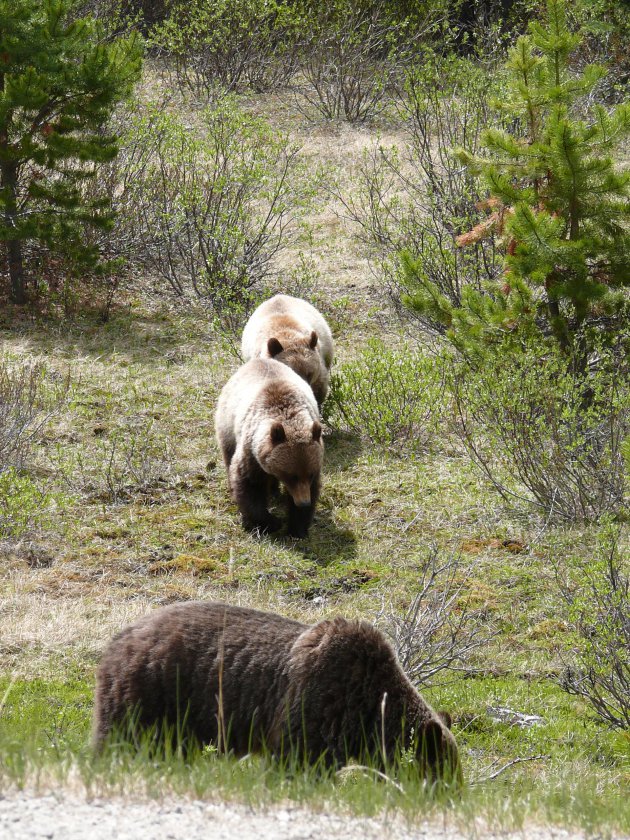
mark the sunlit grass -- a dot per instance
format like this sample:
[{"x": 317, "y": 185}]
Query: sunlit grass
[
  {"x": 140, "y": 516},
  {"x": 554, "y": 771}
]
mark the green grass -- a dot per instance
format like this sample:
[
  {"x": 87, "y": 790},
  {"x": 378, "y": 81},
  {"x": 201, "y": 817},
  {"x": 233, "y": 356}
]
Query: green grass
[
  {"x": 575, "y": 778},
  {"x": 137, "y": 515}
]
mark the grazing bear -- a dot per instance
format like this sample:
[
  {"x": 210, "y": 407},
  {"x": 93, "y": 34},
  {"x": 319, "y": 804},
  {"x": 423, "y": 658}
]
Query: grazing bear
[
  {"x": 249, "y": 680},
  {"x": 295, "y": 333},
  {"x": 268, "y": 429}
]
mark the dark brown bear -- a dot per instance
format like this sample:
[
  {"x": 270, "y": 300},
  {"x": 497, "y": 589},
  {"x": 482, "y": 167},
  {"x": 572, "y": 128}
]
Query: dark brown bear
[
  {"x": 268, "y": 428},
  {"x": 250, "y": 680}
]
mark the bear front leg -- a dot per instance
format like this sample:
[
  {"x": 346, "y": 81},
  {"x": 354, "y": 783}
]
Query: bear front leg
[
  {"x": 249, "y": 486},
  {"x": 300, "y": 518}
]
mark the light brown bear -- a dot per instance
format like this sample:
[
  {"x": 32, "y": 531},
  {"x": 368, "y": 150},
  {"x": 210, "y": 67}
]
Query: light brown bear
[
  {"x": 268, "y": 428},
  {"x": 292, "y": 331},
  {"x": 212, "y": 673}
]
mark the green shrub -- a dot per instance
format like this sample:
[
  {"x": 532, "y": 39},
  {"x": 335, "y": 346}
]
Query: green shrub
[
  {"x": 597, "y": 597},
  {"x": 230, "y": 44},
  {"x": 23, "y": 505},
  {"x": 546, "y": 435},
  {"x": 392, "y": 398}
]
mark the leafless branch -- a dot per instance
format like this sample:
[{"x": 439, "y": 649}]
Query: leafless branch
[
  {"x": 482, "y": 780},
  {"x": 439, "y": 631}
]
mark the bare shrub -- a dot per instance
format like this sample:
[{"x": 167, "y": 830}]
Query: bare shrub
[
  {"x": 605, "y": 29},
  {"x": 121, "y": 180},
  {"x": 28, "y": 399},
  {"x": 439, "y": 631},
  {"x": 597, "y": 597},
  {"x": 119, "y": 184},
  {"x": 215, "y": 209},
  {"x": 418, "y": 199},
  {"x": 206, "y": 209},
  {"x": 354, "y": 56},
  {"x": 545, "y": 435},
  {"x": 121, "y": 464}
]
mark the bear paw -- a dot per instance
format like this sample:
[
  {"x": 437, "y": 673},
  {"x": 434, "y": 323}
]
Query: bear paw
[
  {"x": 267, "y": 525},
  {"x": 297, "y": 530}
]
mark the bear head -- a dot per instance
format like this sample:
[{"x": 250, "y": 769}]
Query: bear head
[
  {"x": 347, "y": 671},
  {"x": 429, "y": 738},
  {"x": 294, "y": 457},
  {"x": 302, "y": 355}
]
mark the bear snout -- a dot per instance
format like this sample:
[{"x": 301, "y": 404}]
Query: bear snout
[{"x": 301, "y": 496}]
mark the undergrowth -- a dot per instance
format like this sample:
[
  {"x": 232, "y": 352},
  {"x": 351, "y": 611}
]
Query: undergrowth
[{"x": 545, "y": 769}]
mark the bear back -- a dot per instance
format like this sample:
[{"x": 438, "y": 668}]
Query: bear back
[
  {"x": 202, "y": 666},
  {"x": 293, "y": 332}
]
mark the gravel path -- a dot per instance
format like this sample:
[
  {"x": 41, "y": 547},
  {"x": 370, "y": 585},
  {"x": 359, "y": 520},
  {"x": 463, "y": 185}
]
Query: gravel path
[{"x": 25, "y": 816}]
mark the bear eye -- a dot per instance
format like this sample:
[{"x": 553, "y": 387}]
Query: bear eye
[{"x": 293, "y": 479}]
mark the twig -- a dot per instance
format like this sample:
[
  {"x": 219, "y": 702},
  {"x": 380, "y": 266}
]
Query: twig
[
  {"x": 9, "y": 688},
  {"x": 415, "y": 519},
  {"x": 351, "y": 767},
  {"x": 496, "y": 773}
]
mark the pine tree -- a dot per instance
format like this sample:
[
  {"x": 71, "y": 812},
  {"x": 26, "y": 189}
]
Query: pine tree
[
  {"x": 558, "y": 203},
  {"x": 60, "y": 78}
]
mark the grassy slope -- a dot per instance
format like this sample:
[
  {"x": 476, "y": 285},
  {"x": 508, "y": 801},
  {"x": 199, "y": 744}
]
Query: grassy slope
[{"x": 141, "y": 517}]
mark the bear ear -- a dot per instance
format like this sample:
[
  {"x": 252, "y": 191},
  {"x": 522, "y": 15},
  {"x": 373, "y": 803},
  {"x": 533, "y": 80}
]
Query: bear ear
[
  {"x": 317, "y": 430},
  {"x": 277, "y": 434},
  {"x": 446, "y": 719},
  {"x": 313, "y": 342},
  {"x": 274, "y": 347}
]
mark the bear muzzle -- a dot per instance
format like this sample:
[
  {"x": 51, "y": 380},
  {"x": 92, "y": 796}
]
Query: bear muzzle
[{"x": 301, "y": 496}]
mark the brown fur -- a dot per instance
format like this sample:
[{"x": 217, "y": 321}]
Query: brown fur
[
  {"x": 249, "y": 680},
  {"x": 293, "y": 332},
  {"x": 269, "y": 432}
]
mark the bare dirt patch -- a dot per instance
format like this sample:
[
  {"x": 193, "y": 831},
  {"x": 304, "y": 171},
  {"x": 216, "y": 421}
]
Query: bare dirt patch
[{"x": 24, "y": 815}]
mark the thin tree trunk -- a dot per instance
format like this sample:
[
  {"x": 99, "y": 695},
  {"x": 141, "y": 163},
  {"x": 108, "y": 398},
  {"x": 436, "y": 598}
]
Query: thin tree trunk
[
  {"x": 14, "y": 246},
  {"x": 16, "y": 271}
]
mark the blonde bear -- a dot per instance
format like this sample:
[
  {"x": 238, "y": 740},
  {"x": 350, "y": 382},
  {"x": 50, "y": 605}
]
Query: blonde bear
[
  {"x": 268, "y": 429},
  {"x": 293, "y": 332}
]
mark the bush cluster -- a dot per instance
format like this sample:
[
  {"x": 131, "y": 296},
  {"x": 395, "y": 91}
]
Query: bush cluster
[
  {"x": 230, "y": 46},
  {"x": 544, "y": 435},
  {"x": 28, "y": 400},
  {"x": 205, "y": 208},
  {"x": 392, "y": 398}
]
